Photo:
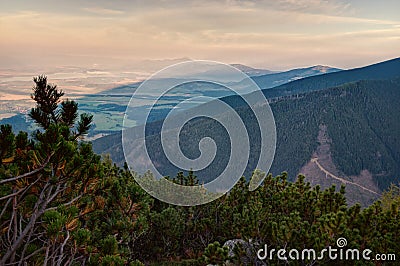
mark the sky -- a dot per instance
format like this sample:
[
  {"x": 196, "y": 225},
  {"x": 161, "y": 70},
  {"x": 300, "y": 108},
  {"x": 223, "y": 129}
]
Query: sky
[{"x": 272, "y": 34}]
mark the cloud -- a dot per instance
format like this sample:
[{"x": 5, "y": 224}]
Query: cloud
[
  {"x": 314, "y": 6},
  {"x": 302, "y": 6},
  {"x": 103, "y": 11},
  {"x": 280, "y": 31}
]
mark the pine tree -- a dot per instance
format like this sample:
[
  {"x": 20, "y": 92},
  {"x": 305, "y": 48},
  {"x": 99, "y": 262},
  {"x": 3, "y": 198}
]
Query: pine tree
[{"x": 54, "y": 191}]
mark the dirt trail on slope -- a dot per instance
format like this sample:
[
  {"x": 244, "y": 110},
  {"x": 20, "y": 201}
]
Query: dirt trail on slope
[
  {"x": 315, "y": 160},
  {"x": 322, "y": 171}
]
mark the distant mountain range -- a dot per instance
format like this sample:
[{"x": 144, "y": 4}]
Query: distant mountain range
[
  {"x": 276, "y": 79},
  {"x": 108, "y": 106},
  {"x": 109, "y": 114},
  {"x": 253, "y": 71},
  {"x": 339, "y": 127}
]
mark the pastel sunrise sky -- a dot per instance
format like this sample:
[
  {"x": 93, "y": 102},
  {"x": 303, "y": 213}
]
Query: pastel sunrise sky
[{"x": 274, "y": 34}]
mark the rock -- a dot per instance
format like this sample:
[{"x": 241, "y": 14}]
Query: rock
[{"x": 249, "y": 256}]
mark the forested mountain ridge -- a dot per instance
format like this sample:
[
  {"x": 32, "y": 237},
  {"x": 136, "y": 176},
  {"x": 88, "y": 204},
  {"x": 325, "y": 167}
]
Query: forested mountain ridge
[
  {"x": 384, "y": 70},
  {"x": 360, "y": 122},
  {"x": 362, "y": 130}
]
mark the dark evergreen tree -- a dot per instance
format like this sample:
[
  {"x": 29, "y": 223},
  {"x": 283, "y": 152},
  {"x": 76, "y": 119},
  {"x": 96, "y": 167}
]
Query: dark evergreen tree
[{"x": 60, "y": 203}]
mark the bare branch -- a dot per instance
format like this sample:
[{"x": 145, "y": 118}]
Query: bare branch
[
  {"x": 35, "y": 215},
  {"x": 27, "y": 257},
  {"x": 28, "y": 174},
  {"x": 62, "y": 249},
  {"x": 13, "y": 194},
  {"x": 66, "y": 204},
  {"x": 4, "y": 208}
]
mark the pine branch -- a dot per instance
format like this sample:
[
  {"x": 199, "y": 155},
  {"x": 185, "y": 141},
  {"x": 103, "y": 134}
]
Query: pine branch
[{"x": 30, "y": 173}]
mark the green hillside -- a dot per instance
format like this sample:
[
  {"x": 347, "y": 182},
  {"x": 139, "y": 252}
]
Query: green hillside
[
  {"x": 360, "y": 119},
  {"x": 384, "y": 70}
]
